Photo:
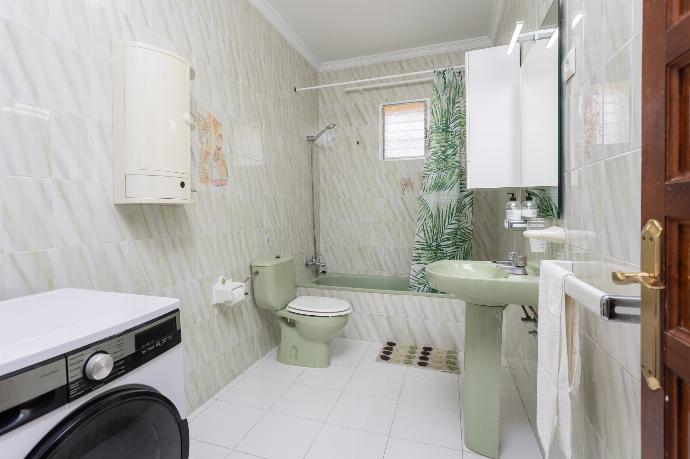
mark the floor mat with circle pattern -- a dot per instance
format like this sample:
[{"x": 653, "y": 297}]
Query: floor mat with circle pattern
[{"x": 413, "y": 355}]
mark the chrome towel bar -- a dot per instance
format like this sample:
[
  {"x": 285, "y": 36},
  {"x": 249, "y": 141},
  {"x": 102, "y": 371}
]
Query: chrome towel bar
[
  {"x": 619, "y": 308},
  {"x": 614, "y": 308}
]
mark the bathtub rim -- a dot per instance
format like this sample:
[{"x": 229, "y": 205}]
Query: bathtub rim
[{"x": 312, "y": 284}]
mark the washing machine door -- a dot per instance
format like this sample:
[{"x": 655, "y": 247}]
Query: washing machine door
[{"x": 127, "y": 422}]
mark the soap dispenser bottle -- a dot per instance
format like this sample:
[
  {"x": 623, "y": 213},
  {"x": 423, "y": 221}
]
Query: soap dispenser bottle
[
  {"x": 529, "y": 207},
  {"x": 513, "y": 209}
]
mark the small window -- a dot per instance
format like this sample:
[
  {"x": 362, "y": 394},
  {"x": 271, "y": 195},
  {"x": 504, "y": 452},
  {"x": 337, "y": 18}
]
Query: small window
[{"x": 403, "y": 129}]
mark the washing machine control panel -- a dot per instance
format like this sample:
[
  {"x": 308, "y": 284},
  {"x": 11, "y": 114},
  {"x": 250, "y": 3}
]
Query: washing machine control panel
[{"x": 90, "y": 367}]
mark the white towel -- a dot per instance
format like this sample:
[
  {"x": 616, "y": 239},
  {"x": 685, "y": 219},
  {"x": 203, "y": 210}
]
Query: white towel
[{"x": 558, "y": 363}]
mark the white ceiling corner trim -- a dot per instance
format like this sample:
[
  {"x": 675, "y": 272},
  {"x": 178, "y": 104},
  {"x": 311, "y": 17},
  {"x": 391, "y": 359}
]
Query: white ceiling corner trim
[
  {"x": 286, "y": 31},
  {"x": 438, "y": 48}
]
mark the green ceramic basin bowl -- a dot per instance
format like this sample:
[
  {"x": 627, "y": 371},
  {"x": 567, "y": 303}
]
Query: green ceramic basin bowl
[{"x": 481, "y": 282}]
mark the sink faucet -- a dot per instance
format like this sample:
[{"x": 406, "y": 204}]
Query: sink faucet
[
  {"x": 516, "y": 265},
  {"x": 512, "y": 258},
  {"x": 315, "y": 263}
]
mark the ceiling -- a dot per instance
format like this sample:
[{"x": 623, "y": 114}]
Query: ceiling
[{"x": 333, "y": 33}]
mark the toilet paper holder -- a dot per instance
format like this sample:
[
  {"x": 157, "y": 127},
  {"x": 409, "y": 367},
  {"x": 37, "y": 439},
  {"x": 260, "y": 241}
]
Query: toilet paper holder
[{"x": 227, "y": 292}]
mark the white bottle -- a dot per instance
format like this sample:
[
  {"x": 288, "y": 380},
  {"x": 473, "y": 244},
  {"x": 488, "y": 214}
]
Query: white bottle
[
  {"x": 513, "y": 210},
  {"x": 529, "y": 207}
]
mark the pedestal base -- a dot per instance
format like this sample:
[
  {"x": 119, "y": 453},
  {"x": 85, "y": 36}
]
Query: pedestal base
[{"x": 482, "y": 375}]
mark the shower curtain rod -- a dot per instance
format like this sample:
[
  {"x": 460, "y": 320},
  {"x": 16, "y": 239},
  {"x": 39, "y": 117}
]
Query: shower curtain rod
[
  {"x": 388, "y": 84},
  {"x": 367, "y": 80}
]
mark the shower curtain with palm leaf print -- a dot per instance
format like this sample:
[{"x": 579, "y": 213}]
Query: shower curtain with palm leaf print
[{"x": 444, "y": 221}]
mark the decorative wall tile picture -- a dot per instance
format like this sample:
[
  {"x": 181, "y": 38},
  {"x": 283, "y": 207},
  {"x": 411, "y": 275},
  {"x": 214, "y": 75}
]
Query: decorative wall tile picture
[{"x": 212, "y": 167}]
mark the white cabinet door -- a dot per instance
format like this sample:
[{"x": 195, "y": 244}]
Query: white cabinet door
[{"x": 493, "y": 118}]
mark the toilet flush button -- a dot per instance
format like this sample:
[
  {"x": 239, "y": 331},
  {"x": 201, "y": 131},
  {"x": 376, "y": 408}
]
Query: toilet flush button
[{"x": 98, "y": 366}]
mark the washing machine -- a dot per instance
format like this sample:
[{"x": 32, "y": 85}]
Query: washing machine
[{"x": 86, "y": 374}]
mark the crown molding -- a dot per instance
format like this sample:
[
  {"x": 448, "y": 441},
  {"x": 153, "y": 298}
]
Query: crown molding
[
  {"x": 496, "y": 11},
  {"x": 272, "y": 16},
  {"x": 408, "y": 53}
]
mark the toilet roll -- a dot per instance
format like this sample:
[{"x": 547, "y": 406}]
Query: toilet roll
[{"x": 228, "y": 293}]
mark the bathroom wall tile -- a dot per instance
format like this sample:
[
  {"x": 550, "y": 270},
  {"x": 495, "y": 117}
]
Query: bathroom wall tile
[
  {"x": 24, "y": 139},
  {"x": 617, "y": 109},
  {"x": 30, "y": 13},
  {"x": 601, "y": 216},
  {"x": 22, "y": 60},
  {"x": 24, "y": 273},
  {"x": 593, "y": 52},
  {"x": 70, "y": 147},
  {"x": 111, "y": 267},
  {"x": 622, "y": 207},
  {"x": 72, "y": 267},
  {"x": 636, "y": 86},
  {"x": 619, "y": 17},
  {"x": 72, "y": 214},
  {"x": 70, "y": 80},
  {"x": 26, "y": 213},
  {"x": 363, "y": 211}
]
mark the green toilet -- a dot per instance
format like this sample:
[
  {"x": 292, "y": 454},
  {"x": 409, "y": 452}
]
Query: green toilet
[{"x": 307, "y": 323}]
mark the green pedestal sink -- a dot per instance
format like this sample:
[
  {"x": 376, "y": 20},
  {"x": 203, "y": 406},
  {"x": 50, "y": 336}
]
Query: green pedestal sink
[{"x": 487, "y": 290}]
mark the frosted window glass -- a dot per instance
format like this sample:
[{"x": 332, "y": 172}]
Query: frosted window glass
[{"x": 403, "y": 127}]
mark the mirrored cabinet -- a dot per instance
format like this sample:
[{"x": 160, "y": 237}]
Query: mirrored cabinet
[{"x": 512, "y": 113}]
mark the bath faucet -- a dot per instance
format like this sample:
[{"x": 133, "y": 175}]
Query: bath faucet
[
  {"x": 516, "y": 265},
  {"x": 315, "y": 263}
]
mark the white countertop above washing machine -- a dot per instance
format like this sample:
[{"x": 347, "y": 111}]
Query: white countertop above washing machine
[{"x": 37, "y": 327}]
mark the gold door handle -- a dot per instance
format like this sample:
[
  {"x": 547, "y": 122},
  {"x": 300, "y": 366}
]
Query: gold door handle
[
  {"x": 650, "y": 304},
  {"x": 646, "y": 279}
]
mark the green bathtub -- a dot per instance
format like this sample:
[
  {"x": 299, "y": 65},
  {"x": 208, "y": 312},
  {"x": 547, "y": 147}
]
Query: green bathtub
[{"x": 365, "y": 283}]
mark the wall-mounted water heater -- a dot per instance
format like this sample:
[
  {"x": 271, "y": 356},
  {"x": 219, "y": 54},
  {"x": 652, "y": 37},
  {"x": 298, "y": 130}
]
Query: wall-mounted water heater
[{"x": 151, "y": 126}]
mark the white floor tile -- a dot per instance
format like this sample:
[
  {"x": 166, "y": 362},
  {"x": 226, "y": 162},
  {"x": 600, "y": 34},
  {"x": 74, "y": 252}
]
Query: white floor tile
[
  {"x": 271, "y": 368},
  {"x": 348, "y": 352},
  {"x": 238, "y": 455},
  {"x": 511, "y": 406},
  {"x": 507, "y": 382},
  {"x": 201, "y": 450},
  {"x": 335, "y": 442},
  {"x": 427, "y": 425},
  {"x": 369, "y": 361},
  {"x": 404, "y": 449},
  {"x": 277, "y": 436},
  {"x": 517, "y": 440},
  {"x": 200, "y": 409},
  {"x": 224, "y": 424},
  {"x": 376, "y": 383},
  {"x": 333, "y": 377},
  {"x": 307, "y": 402},
  {"x": 431, "y": 392},
  {"x": 469, "y": 455},
  {"x": 256, "y": 391},
  {"x": 357, "y": 419},
  {"x": 432, "y": 374},
  {"x": 364, "y": 412}
]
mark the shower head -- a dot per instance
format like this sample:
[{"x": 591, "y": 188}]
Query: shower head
[{"x": 313, "y": 138}]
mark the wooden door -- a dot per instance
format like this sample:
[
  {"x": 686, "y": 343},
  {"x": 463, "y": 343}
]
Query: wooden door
[{"x": 666, "y": 199}]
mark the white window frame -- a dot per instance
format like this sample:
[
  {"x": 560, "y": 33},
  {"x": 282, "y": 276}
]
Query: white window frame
[{"x": 427, "y": 120}]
